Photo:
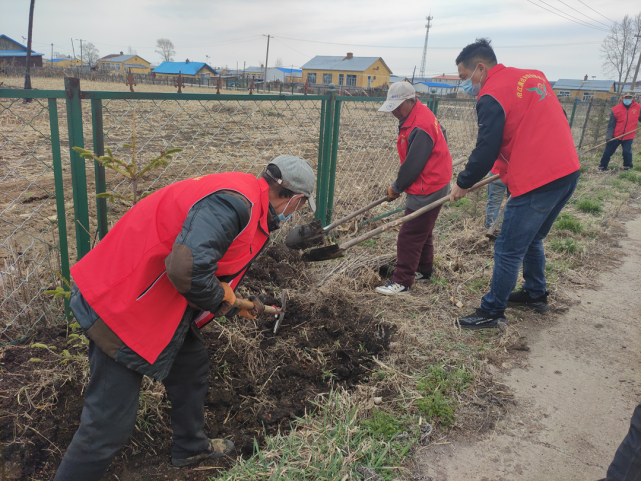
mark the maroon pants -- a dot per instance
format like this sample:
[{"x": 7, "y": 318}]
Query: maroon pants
[{"x": 415, "y": 247}]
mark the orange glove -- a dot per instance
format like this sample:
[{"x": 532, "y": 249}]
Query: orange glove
[
  {"x": 391, "y": 195},
  {"x": 228, "y": 300},
  {"x": 258, "y": 309}
]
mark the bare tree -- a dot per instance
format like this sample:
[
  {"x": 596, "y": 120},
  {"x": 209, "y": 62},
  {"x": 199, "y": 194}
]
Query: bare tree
[
  {"x": 131, "y": 50},
  {"x": 165, "y": 49},
  {"x": 60, "y": 55},
  {"x": 90, "y": 54},
  {"x": 279, "y": 62},
  {"x": 619, "y": 48}
]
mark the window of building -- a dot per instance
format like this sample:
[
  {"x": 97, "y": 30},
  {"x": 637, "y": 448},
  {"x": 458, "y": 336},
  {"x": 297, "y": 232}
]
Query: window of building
[
  {"x": 588, "y": 95},
  {"x": 327, "y": 78},
  {"x": 341, "y": 79},
  {"x": 311, "y": 78},
  {"x": 564, "y": 93},
  {"x": 351, "y": 80}
]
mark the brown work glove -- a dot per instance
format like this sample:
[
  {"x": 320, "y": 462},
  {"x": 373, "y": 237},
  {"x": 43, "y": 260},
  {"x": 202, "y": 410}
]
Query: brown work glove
[
  {"x": 228, "y": 300},
  {"x": 391, "y": 195},
  {"x": 257, "y": 310}
]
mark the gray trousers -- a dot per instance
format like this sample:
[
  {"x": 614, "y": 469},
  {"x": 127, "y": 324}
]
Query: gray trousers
[{"x": 111, "y": 401}]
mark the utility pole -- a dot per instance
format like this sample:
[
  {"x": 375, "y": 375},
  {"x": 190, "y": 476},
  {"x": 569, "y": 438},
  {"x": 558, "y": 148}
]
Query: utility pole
[
  {"x": 266, "y": 59},
  {"x": 27, "y": 77},
  {"x": 421, "y": 72},
  {"x": 80, "y": 50},
  {"x": 73, "y": 49},
  {"x": 636, "y": 72},
  {"x": 51, "y": 54}
]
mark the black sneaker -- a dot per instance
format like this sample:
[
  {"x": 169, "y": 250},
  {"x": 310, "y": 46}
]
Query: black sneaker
[
  {"x": 217, "y": 449},
  {"x": 482, "y": 320},
  {"x": 422, "y": 276},
  {"x": 627, "y": 167},
  {"x": 522, "y": 298}
]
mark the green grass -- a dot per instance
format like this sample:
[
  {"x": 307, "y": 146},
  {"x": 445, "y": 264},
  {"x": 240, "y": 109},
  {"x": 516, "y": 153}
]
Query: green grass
[
  {"x": 463, "y": 203},
  {"x": 568, "y": 246},
  {"x": 385, "y": 426},
  {"x": 590, "y": 206},
  {"x": 568, "y": 222},
  {"x": 437, "y": 387},
  {"x": 631, "y": 176}
]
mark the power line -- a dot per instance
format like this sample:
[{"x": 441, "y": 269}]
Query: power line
[
  {"x": 566, "y": 18},
  {"x": 587, "y": 16},
  {"x": 572, "y": 16},
  {"x": 596, "y": 11}
]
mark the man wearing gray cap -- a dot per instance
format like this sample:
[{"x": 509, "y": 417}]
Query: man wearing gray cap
[
  {"x": 424, "y": 175},
  {"x": 140, "y": 295}
]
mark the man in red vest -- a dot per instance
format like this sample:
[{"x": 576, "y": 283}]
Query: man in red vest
[
  {"x": 522, "y": 124},
  {"x": 624, "y": 119},
  {"x": 425, "y": 174},
  {"x": 137, "y": 294}
]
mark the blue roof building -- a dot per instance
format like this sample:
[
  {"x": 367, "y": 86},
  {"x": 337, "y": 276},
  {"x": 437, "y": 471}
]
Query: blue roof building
[
  {"x": 438, "y": 88},
  {"x": 186, "y": 69},
  {"x": 14, "y": 53}
]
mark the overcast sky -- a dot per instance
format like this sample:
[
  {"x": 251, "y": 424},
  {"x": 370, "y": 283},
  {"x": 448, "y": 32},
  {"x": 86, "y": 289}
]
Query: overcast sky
[{"x": 524, "y": 34}]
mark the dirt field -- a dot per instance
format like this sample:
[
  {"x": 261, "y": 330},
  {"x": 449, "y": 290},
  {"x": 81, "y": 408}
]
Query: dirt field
[{"x": 574, "y": 395}]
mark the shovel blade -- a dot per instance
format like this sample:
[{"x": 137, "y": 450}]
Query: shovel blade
[
  {"x": 305, "y": 236},
  {"x": 324, "y": 253}
]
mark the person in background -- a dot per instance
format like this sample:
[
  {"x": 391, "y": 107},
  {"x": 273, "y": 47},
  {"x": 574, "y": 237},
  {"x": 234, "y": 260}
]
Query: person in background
[
  {"x": 424, "y": 175},
  {"x": 523, "y": 130},
  {"x": 624, "y": 118},
  {"x": 139, "y": 297},
  {"x": 626, "y": 465}
]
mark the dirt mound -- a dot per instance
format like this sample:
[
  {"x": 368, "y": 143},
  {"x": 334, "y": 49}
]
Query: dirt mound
[{"x": 259, "y": 382}]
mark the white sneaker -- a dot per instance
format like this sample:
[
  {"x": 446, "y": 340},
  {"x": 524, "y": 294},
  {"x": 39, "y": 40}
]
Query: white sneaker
[{"x": 392, "y": 289}]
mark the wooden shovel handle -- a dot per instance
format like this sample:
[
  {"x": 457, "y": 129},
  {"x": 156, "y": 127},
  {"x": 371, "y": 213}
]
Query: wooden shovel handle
[
  {"x": 373, "y": 204},
  {"x": 249, "y": 305},
  {"x": 411, "y": 216}
]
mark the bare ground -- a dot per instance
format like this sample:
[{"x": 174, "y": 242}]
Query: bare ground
[{"x": 574, "y": 396}]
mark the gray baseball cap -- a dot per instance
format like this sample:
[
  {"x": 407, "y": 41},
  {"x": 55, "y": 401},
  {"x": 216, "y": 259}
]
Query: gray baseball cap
[
  {"x": 297, "y": 176},
  {"x": 398, "y": 93}
]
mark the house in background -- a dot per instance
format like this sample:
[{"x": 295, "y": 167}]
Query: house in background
[
  {"x": 350, "y": 71},
  {"x": 63, "y": 63},
  {"x": 437, "y": 88},
  {"x": 187, "y": 69},
  {"x": 397, "y": 78},
  {"x": 284, "y": 74},
  {"x": 254, "y": 73},
  {"x": 122, "y": 63},
  {"x": 14, "y": 53},
  {"x": 584, "y": 89},
  {"x": 448, "y": 79}
]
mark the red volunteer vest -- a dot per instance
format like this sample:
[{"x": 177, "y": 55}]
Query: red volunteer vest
[
  {"x": 627, "y": 119},
  {"x": 537, "y": 143},
  {"x": 124, "y": 279},
  {"x": 438, "y": 170}
]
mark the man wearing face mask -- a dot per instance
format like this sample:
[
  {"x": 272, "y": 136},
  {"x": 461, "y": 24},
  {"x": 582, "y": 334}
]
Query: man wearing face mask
[
  {"x": 424, "y": 175},
  {"x": 144, "y": 291},
  {"x": 623, "y": 118},
  {"x": 522, "y": 124}
]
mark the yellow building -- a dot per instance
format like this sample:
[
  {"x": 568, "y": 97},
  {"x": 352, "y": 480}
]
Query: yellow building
[
  {"x": 350, "y": 71},
  {"x": 187, "y": 69},
  {"x": 65, "y": 63},
  {"x": 122, "y": 63},
  {"x": 584, "y": 89}
]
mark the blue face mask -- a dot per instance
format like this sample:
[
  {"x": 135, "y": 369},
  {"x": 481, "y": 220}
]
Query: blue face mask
[
  {"x": 469, "y": 87},
  {"x": 281, "y": 217},
  {"x": 627, "y": 102}
]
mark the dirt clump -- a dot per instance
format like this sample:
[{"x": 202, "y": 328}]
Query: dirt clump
[{"x": 259, "y": 382}]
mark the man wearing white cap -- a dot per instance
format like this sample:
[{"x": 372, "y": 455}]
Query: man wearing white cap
[
  {"x": 139, "y": 295},
  {"x": 424, "y": 175}
]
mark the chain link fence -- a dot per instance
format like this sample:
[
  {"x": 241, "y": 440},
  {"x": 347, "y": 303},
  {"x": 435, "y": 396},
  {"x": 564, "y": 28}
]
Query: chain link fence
[{"x": 351, "y": 146}]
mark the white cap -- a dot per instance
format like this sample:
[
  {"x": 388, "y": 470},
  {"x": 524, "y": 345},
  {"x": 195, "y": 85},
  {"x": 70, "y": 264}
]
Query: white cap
[{"x": 398, "y": 93}]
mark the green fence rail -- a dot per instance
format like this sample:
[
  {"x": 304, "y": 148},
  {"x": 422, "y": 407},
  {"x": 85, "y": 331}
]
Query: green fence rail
[{"x": 50, "y": 215}]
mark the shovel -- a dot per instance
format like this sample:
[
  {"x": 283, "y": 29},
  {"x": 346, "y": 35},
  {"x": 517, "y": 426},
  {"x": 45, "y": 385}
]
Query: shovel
[
  {"x": 279, "y": 312},
  {"x": 335, "y": 251},
  {"x": 313, "y": 234},
  {"x": 583, "y": 152}
]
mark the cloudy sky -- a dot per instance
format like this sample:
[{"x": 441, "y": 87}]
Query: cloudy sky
[{"x": 559, "y": 37}]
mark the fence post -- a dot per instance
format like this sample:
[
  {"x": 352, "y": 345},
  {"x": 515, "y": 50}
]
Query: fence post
[
  {"x": 327, "y": 148},
  {"x": 99, "y": 170},
  {"x": 585, "y": 124},
  {"x": 319, "y": 168},
  {"x": 78, "y": 171},
  {"x": 60, "y": 200},
  {"x": 435, "y": 111},
  {"x": 576, "y": 101},
  {"x": 332, "y": 163}
]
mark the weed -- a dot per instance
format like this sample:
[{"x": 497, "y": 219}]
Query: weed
[
  {"x": 437, "y": 386},
  {"x": 385, "y": 426},
  {"x": 568, "y": 222},
  {"x": 368, "y": 243},
  {"x": 439, "y": 407},
  {"x": 590, "y": 206},
  {"x": 438, "y": 281},
  {"x": 631, "y": 176},
  {"x": 569, "y": 246},
  {"x": 464, "y": 203}
]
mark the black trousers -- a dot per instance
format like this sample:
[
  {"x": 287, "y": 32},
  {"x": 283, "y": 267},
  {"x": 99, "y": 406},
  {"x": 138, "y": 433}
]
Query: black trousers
[
  {"x": 626, "y": 465},
  {"x": 111, "y": 401},
  {"x": 611, "y": 147}
]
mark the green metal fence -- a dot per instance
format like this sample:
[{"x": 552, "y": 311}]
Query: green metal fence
[{"x": 50, "y": 215}]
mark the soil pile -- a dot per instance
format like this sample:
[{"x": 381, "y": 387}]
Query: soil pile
[{"x": 259, "y": 382}]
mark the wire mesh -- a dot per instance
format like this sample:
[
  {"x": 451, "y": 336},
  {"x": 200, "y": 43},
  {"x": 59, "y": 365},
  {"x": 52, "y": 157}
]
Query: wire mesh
[{"x": 29, "y": 246}]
